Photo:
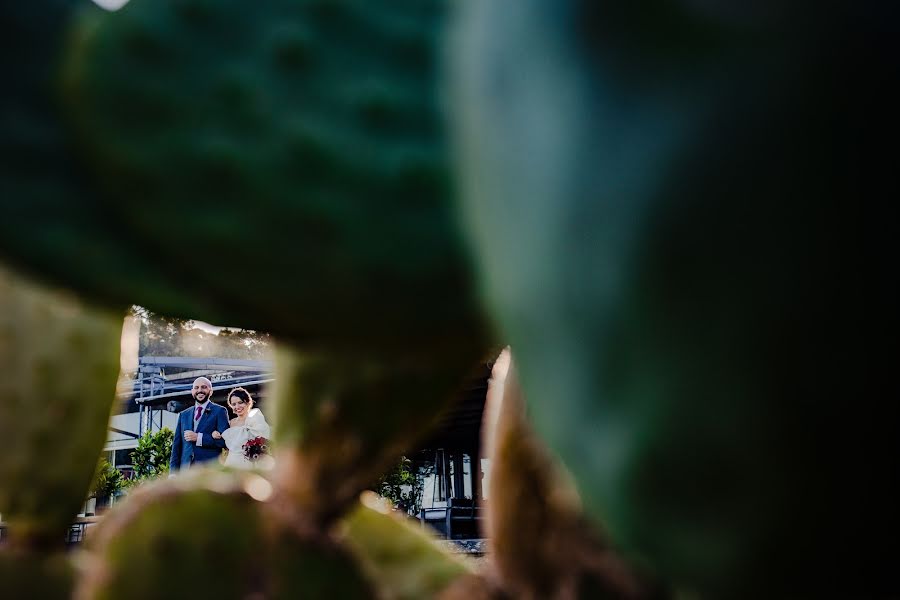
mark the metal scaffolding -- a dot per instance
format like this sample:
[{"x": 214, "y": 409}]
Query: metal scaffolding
[{"x": 163, "y": 383}]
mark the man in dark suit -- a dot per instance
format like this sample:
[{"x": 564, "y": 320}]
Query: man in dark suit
[{"x": 193, "y": 443}]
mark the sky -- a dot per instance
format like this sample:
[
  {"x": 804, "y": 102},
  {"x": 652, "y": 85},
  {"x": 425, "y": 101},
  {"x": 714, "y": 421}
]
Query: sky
[{"x": 111, "y": 4}]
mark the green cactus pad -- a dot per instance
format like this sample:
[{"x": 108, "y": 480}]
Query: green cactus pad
[
  {"x": 340, "y": 420},
  {"x": 684, "y": 241},
  {"x": 404, "y": 560},
  {"x": 24, "y": 574},
  {"x": 54, "y": 224},
  {"x": 179, "y": 533},
  {"x": 59, "y": 362},
  {"x": 216, "y": 526},
  {"x": 544, "y": 544},
  {"x": 310, "y": 568},
  {"x": 288, "y": 160}
]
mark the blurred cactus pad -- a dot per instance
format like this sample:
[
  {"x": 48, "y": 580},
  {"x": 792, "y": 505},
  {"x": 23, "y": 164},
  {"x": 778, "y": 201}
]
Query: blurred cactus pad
[
  {"x": 298, "y": 144},
  {"x": 678, "y": 212},
  {"x": 59, "y": 362},
  {"x": 671, "y": 210},
  {"x": 284, "y": 167}
]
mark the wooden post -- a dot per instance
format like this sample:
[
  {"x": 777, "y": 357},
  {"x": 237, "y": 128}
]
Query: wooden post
[
  {"x": 445, "y": 457},
  {"x": 459, "y": 487},
  {"x": 476, "y": 473}
]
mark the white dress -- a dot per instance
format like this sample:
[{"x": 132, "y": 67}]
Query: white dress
[{"x": 254, "y": 426}]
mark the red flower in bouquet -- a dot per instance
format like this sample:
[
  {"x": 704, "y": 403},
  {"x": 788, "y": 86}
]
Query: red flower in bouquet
[{"x": 254, "y": 448}]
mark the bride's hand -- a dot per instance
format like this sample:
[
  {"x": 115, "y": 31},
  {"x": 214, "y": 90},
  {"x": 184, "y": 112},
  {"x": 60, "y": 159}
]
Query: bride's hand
[{"x": 216, "y": 435}]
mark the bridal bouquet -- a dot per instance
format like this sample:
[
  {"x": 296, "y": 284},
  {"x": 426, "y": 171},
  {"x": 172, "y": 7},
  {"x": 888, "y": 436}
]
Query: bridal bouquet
[{"x": 254, "y": 448}]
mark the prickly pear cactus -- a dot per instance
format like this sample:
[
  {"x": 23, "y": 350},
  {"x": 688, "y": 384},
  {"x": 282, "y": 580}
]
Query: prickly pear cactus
[
  {"x": 545, "y": 547},
  {"x": 36, "y": 574},
  {"x": 59, "y": 362},
  {"x": 341, "y": 419},
  {"x": 401, "y": 557},
  {"x": 221, "y": 140},
  {"x": 178, "y": 532},
  {"x": 186, "y": 530},
  {"x": 676, "y": 252},
  {"x": 193, "y": 525},
  {"x": 324, "y": 113},
  {"x": 302, "y": 143},
  {"x": 660, "y": 217},
  {"x": 54, "y": 224}
]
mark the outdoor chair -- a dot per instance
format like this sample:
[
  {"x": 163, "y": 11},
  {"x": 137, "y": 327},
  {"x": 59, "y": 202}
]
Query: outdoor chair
[{"x": 463, "y": 518}]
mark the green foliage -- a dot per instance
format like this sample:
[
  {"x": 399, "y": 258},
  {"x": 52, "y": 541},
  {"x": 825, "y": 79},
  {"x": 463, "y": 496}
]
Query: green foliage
[
  {"x": 402, "y": 486},
  {"x": 162, "y": 335},
  {"x": 150, "y": 459},
  {"x": 244, "y": 344},
  {"x": 108, "y": 480}
]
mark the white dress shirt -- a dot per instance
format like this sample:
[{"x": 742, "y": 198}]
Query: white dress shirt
[{"x": 203, "y": 406}]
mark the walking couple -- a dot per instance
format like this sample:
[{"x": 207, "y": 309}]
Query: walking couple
[{"x": 204, "y": 429}]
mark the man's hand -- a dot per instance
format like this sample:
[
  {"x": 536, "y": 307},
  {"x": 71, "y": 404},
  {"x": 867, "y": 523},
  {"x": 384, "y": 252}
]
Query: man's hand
[{"x": 190, "y": 436}]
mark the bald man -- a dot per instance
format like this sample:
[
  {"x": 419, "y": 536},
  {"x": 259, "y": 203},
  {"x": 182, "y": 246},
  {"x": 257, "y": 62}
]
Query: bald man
[{"x": 194, "y": 443}]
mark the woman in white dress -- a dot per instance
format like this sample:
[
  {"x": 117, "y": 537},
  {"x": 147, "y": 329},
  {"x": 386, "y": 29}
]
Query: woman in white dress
[{"x": 247, "y": 424}]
